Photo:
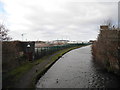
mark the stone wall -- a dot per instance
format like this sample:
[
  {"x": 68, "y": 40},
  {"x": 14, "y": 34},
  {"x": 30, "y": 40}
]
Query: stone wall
[{"x": 106, "y": 49}]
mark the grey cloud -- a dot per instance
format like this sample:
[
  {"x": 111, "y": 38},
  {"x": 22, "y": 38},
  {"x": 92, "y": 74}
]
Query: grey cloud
[{"x": 86, "y": 17}]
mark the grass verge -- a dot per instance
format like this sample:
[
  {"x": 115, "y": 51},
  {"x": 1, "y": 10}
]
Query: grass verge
[
  {"x": 14, "y": 75},
  {"x": 46, "y": 68}
]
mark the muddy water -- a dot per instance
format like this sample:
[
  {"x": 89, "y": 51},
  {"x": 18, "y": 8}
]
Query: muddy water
[{"x": 76, "y": 69}]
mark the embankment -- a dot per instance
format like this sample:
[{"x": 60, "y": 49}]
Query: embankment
[
  {"x": 106, "y": 50},
  {"x": 27, "y": 75}
]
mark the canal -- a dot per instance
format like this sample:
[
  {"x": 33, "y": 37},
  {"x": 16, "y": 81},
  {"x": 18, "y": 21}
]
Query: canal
[{"x": 76, "y": 69}]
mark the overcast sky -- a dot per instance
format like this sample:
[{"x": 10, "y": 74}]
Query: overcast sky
[{"x": 56, "y": 19}]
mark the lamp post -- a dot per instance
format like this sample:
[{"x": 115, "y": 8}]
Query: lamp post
[{"x": 23, "y": 36}]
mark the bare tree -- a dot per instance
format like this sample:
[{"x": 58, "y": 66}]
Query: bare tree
[
  {"x": 110, "y": 23},
  {"x": 4, "y": 33}
]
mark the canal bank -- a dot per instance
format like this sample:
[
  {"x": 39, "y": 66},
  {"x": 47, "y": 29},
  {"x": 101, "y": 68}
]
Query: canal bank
[
  {"x": 77, "y": 69},
  {"x": 53, "y": 58},
  {"x": 106, "y": 50},
  {"x": 27, "y": 75}
]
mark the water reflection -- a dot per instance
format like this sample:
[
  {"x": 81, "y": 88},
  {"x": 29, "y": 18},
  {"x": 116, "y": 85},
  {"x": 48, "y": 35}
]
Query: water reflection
[{"x": 76, "y": 69}]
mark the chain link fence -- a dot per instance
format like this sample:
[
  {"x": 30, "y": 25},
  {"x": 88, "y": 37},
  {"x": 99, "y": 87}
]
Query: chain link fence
[{"x": 43, "y": 51}]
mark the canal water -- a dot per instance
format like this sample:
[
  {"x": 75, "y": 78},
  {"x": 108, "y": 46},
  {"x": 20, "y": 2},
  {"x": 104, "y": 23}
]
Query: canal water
[{"x": 76, "y": 69}]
